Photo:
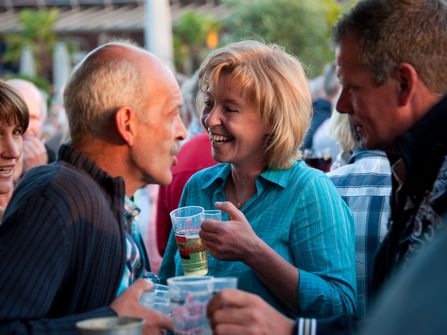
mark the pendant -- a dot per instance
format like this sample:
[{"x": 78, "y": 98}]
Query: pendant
[{"x": 239, "y": 205}]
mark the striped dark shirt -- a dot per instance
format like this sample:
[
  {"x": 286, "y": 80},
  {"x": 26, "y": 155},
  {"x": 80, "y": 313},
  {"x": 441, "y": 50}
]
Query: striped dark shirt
[{"x": 62, "y": 247}]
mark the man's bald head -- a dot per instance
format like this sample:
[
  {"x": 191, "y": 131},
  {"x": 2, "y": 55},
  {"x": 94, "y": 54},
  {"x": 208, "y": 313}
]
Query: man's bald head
[
  {"x": 109, "y": 77},
  {"x": 36, "y": 105}
]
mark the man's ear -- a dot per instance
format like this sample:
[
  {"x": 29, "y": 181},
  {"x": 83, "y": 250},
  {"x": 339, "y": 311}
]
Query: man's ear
[
  {"x": 407, "y": 78},
  {"x": 125, "y": 119}
]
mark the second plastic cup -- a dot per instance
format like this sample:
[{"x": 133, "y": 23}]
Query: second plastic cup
[
  {"x": 215, "y": 214},
  {"x": 220, "y": 283}
]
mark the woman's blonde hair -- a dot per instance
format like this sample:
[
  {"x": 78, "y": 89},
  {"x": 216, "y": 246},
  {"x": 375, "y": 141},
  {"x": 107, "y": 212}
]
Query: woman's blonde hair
[{"x": 276, "y": 83}]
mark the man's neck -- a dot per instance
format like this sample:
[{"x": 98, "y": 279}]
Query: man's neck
[{"x": 108, "y": 157}]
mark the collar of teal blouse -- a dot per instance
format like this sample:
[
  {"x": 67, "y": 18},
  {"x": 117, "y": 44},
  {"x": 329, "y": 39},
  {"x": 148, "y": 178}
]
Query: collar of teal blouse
[{"x": 273, "y": 176}]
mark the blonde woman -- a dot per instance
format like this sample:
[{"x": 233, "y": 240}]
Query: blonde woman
[{"x": 286, "y": 234}]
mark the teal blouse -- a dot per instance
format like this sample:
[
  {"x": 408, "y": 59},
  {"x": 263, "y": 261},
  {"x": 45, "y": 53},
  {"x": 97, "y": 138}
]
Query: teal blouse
[{"x": 300, "y": 215}]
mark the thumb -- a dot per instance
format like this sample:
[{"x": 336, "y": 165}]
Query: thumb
[
  {"x": 139, "y": 287},
  {"x": 230, "y": 209}
]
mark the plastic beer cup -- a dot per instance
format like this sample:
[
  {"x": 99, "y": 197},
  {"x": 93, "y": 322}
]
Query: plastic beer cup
[{"x": 186, "y": 222}]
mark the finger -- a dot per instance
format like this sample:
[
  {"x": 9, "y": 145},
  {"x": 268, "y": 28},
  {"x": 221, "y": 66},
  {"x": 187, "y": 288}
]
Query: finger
[
  {"x": 230, "y": 329},
  {"x": 228, "y": 297},
  {"x": 161, "y": 320},
  {"x": 213, "y": 251},
  {"x": 210, "y": 238},
  {"x": 139, "y": 287},
  {"x": 214, "y": 305},
  {"x": 234, "y": 315},
  {"x": 234, "y": 298},
  {"x": 209, "y": 225},
  {"x": 230, "y": 209}
]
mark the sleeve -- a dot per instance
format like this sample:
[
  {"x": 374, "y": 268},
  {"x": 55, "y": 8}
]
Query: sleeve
[
  {"x": 342, "y": 325},
  {"x": 162, "y": 221},
  {"x": 34, "y": 250},
  {"x": 323, "y": 243},
  {"x": 65, "y": 325},
  {"x": 167, "y": 268}
]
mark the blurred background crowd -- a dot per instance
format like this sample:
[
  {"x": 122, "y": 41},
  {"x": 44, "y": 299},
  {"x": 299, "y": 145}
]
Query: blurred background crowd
[{"x": 42, "y": 40}]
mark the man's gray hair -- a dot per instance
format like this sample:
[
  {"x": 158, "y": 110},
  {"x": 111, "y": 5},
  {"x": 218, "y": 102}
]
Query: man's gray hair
[
  {"x": 99, "y": 85},
  {"x": 391, "y": 32}
]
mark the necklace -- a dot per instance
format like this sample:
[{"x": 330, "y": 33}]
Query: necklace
[{"x": 239, "y": 204}]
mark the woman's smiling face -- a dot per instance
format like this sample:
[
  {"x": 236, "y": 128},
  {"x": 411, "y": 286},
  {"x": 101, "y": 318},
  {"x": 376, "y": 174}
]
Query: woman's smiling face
[
  {"x": 235, "y": 127},
  {"x": 11, "y": 149}
]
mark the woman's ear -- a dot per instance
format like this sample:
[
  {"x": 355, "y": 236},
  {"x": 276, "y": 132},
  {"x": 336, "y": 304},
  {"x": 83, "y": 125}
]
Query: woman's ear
[
  {"x": 125, "y": 119},
  {"x": 407, "y": 78}
]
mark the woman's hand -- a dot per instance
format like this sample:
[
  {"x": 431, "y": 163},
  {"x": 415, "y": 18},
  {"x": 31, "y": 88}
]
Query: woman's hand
[{"x": 229, "y": 240}]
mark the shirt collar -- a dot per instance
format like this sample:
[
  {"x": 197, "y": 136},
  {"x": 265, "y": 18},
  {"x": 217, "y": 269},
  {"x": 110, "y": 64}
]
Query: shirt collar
[
  {"x": 426, "y": 137},
  {"x": 131, "y": 211},
  {"x": 279, "y": 177},
  {"x": 274, "y": 176},
  {"x": 362, "y": 153},
  {"x": 425, "y": 142}
]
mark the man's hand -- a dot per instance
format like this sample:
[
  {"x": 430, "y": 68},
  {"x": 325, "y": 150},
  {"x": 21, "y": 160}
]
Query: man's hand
[
  {"x": 239, "y": 312},
  {"x": 34, "y": 153},
  {"x": 127, "y": 304}
]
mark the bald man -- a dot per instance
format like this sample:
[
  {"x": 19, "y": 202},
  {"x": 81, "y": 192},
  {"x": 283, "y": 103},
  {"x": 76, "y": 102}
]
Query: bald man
[{"x": 69, "y": 251}]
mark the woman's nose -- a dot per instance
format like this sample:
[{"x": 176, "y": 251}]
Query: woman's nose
[
  {"x": 212, "y": 118},
  {"x": 12, "y": 148}
]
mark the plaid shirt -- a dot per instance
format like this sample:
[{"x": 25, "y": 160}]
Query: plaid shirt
[
  {"x": 135, "y": 262},
  {"x": 365, "y": 185}
]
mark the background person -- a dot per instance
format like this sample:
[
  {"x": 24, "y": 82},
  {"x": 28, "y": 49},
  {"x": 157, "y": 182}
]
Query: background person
[
  {"x": 364, "y": 183},
  {"x": 14, "y": 119},
  {"x": 35, "y": 151},
  {"x": 322, "y": 103}
]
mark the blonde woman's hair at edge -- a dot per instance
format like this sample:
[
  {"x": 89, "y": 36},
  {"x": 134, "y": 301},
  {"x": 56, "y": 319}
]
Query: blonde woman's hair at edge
[{"x": 276, "y": 83}]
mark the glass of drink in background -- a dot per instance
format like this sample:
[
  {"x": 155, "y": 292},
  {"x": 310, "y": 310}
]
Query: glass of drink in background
[
  {"x": 320, "y": 160},
  {"x": 186, "y": 222}
]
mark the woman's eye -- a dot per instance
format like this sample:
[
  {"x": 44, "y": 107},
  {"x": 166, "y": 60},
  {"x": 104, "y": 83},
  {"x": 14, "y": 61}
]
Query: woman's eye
[
  {"x": 208, "y": 103},
  {"x": 17, "y": 132},
  {"x": 230, "y": 109}
]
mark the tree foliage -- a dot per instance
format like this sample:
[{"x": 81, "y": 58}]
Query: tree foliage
[
  {"x": 301, "y": 26},
  {"x": 38, "y": 34},
  {"x": 191, "y": 32}
]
